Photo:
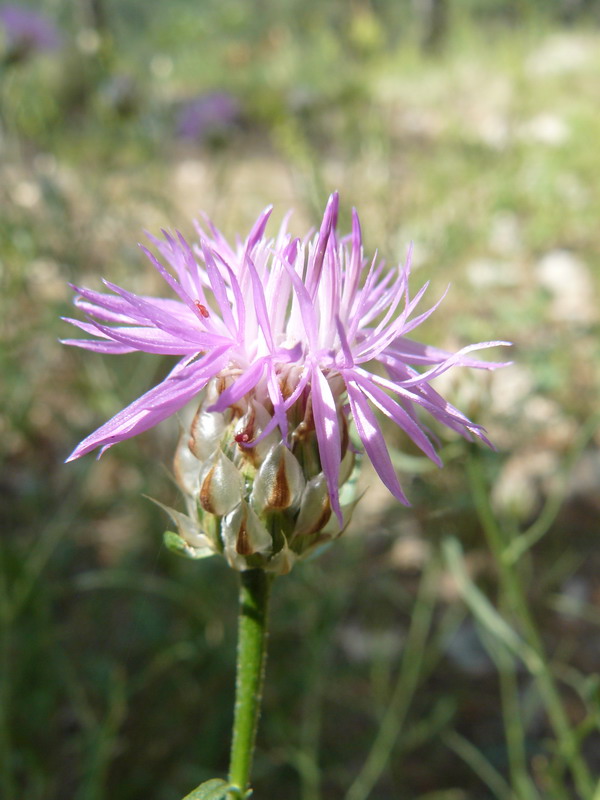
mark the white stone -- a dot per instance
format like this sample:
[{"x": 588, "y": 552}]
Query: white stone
[
  {"x": 505, "y": 234},
  {"x": 567, "y": 278},
  {"x": 488, "y": 273},
  {"x": 510, "y": 386},
  {"x": 549, "y": 129},
  {"x": 523, "y": 482},
  {"x": 561, "y": 54},
  {"x": 26, "y": 194}
]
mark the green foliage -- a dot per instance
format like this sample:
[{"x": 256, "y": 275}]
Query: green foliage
[
  {"x": 176, "y": 544},
  {"x": 215, "y": 789}
]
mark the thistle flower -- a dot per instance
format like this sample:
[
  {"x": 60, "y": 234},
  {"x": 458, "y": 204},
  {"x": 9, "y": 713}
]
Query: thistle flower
[
  {"x": 208, "y": 116},
  {"x": 281, "y": 342},
  {"x": 26, "y": 32}
]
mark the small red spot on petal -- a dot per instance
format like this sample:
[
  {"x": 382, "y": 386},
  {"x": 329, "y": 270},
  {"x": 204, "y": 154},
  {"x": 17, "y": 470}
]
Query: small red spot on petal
[
  {"x": 242, "y": 438},
  {"x": 202, "y": 309}
]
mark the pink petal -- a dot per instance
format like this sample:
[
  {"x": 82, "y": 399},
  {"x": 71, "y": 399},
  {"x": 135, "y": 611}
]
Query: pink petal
[
  {"x": 153, "y": 340},
  {"x": 244, "y": 384},
  {"x": 99, "y": 346},
  {"x": 307, "y": 309},
  {"x": 313, "y": 275},
  {"x": 328, "y": 436},
  {"x": 372, "y": 438},
  {"x": 398, "y": 414},
  {"x": 183, "y": 383},
  {"x": 260, "y": 304},
  {"x": 219, "y": 289}
]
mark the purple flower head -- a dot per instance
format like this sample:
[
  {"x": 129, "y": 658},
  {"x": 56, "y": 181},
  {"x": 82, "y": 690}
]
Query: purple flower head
[
  {"x": 207, "y": 115},
  {"x": 287, "y": 323},
  {"x": 27, "y": 31}
]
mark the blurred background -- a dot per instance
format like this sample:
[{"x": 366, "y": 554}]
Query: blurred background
[{"x": 448, "y": 651}]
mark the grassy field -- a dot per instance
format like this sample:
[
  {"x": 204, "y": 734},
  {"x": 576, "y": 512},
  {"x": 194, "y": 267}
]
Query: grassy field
[{"x": 448, "y": 651}]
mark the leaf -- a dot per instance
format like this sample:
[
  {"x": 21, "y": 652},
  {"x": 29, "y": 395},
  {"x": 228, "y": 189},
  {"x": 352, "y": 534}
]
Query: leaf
[
  {"x": 176, "y": 544},
  {"x": 214, "y": 789},
  {"x": 484, "y": 611}
]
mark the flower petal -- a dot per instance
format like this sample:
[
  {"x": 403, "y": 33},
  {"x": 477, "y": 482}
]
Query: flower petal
[
  {"x": 398, "y": 414},
  {"x": 313, "y": 275},
  {"x": 372, "y": 438},
  {"x": 170, "y": 315},
  {"x": 153, "y": 340},
  {"x": 99, "y": 346},
  {"x": 181, "y": 385},
  {"x": 327, "y": 429},
  {"x": 455, "y": 359},
  {"x": 244, "y": 384},
  {"x": 219, "y": 289}
]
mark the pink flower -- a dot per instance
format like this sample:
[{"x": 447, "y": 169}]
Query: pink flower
[
  {"x": 27, "y": 31},
  {"x": 287, "y": 322},
  {"x": 207, "y": 116}
]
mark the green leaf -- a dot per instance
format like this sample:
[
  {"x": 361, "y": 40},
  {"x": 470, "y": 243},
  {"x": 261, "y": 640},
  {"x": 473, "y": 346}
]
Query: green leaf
[
  {"x": 214, "y": 789},
  {"x": 188, "y": 529},
  {"x": 176, "y": 544},
  {"x": 484, "y": 611}
]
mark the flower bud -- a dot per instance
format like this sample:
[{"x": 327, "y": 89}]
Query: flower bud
[
  {"x": 186, "y": 466},
  {"x": 282, "y": 562},
  {"x": 315, "y": 508},
  {"x": 207, "y": 428},
  {"x": 244, "y": 535},
  {"x": 189, "y": 541},
  {"x": 221, "y": 485},
  {"x": 248, "y": 429},
  {"x": 279, "y": 482},
  {"x": 256, "y": 501}
]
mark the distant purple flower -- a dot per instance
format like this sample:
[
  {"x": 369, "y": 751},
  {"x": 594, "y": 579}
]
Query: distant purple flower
[
  {"x": 283, "y": 321},
  {"x": 27, "y": 31},
  {"x": 207, "y": 115}
]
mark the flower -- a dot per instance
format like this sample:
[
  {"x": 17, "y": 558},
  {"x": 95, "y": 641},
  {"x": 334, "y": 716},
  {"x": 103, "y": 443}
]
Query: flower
[
  {"x": 208, "y": 116},
  {"x": 291, "y": 337},
  {"x": 26, "y": 32}
]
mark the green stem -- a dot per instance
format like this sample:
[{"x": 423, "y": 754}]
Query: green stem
[{"x": 252, "y": 638}]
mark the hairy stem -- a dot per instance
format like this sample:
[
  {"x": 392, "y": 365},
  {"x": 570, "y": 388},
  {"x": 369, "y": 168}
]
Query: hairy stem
[{"x": 252, "y": 638}]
